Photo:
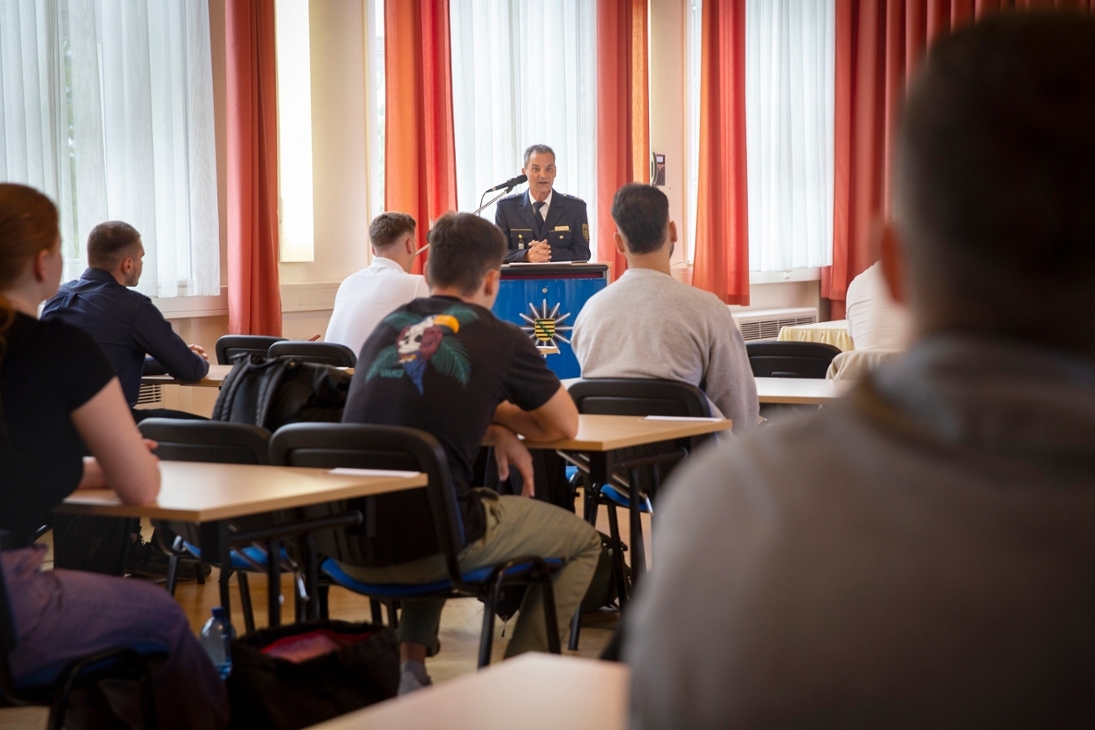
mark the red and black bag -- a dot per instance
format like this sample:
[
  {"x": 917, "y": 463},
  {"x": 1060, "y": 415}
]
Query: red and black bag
[{"x": 270, "y": 692}]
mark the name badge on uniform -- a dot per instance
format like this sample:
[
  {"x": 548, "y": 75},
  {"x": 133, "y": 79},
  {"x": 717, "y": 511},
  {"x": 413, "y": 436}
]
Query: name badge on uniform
[{"x": 562, "y": 228}]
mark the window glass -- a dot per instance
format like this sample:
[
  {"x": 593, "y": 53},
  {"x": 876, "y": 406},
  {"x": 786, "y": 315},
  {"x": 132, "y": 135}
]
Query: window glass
[{"x": 107, "y": 107}]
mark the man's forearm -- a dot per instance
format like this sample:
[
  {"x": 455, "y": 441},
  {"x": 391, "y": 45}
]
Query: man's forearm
[
  {"x": 524, "y": 423},
  {"x": 168, "y": 349}
]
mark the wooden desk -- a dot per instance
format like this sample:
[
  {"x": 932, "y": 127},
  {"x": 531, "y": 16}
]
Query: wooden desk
[
  {"x": 213, "y": 494},
  {"x": 213, "y": 379},
  {"x": 608, "y": 433},
  {"x": 532, "y": 692},
  {"x": 800, "y": 391},
  {"x": 203, "y": 492}
]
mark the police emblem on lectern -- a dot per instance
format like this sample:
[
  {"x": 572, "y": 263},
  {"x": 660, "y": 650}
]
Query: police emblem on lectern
[{"x": 545, "y": 327}]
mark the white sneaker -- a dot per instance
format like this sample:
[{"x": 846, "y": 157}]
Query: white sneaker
[{"x": 413, "y": 677}]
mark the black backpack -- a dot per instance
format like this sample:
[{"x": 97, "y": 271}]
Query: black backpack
[{"x": 272, "y": 391}]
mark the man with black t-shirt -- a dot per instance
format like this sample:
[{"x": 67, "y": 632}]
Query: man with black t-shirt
[{"x": 446, "y": 365}]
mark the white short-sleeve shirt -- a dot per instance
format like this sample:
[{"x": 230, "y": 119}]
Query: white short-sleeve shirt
[
  {"x": 875, "y": 321},
  {"x": 367, "y": 297}
]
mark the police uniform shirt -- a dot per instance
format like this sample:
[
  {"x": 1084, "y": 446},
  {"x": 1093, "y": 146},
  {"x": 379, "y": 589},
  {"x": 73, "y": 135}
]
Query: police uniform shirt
[{"x": 566, "y": 226}]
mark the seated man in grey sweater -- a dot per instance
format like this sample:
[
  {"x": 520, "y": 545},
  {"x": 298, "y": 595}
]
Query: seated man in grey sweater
[
  {"x": 649, "y": 325},
  {"x": 919, "y": 554}
]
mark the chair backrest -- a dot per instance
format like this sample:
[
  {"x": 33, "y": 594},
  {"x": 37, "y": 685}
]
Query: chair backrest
[
  {"x": 231, "y": 346},
  {"x": 324, "y": 353},
  {"x": 212, "y": 441},
  {"x": 398, "y": 527},
  {"x": 790, "y": 359},
  {"x": 639, "y": 397}
]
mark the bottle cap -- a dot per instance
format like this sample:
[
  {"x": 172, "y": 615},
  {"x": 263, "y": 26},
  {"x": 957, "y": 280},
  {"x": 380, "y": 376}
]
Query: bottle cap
[{"x": 218, "y": 612}]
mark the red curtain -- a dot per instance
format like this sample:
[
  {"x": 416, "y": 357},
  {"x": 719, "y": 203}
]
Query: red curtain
[
  {"x": 623, "y": 119},
  {"x": 254, "y": 302},
  {"x": 722, "y": 217},
  {"x": 419, "y": 151},
  {"x": 878, "y": 45}
]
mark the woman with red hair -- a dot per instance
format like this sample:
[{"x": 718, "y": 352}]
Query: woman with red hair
[{"x": 58, "y": 397}]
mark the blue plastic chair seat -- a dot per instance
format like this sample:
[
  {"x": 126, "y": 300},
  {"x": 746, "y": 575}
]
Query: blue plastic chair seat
[
  {"x": 334, "y": 571},
  {"x": 47, "y": 676},
  {"x": 623, "y": 500},
  {"x": 256, "y": 554}
]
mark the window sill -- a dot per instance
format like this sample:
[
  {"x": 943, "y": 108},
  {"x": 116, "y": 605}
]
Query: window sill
[
  {"x": 783, "y": 277},
  {"x": 317, "y": 297}
]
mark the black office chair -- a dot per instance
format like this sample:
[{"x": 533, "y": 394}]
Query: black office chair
[
  {"x": 323, "y": 353},
  {"x": 770, "y": 359},
  {"x": 222, "y": 443},
  {"x": 408, "y": 525},
  {"x": 632, "y": 397},
  {"x": 52, "y": 686},
  {"x": 230, "y": 347}
]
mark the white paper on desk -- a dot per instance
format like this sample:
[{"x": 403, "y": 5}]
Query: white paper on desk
[
  {"x": 537, "y": 263},
  {"x": 346, "y": 472},
  {"x": 683, "y": 418}
]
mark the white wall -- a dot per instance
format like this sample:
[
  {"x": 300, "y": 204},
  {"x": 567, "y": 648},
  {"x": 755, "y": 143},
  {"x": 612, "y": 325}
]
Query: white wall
[
  {"x": 667, "y": 106},
  {"x": 338, "y": 144}
]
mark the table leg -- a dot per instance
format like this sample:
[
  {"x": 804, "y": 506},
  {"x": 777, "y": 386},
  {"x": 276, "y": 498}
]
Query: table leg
[
  {"x": 638, "y": 549},
  {"x": 311, "y": 576},
  {"x": 273, "y": 587},
  {"x": 216, "y": 547}
]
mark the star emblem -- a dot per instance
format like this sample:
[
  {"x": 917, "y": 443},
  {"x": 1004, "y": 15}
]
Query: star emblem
[{"x": 545, "y": 326}]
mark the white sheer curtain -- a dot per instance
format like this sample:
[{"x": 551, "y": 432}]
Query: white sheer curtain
[
  {"x": 107, "y": 107},
  {"x": 524, "y": 72},
  {"x": 789, "y": 57}
]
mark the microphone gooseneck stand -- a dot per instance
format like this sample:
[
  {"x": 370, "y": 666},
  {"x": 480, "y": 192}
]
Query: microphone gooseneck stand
[
  {"x": 478, "y": 210},
  {"x": 490, "y": 202}
]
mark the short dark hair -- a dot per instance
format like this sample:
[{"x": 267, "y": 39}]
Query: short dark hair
[
  {"x": 387, "y": 228},
  {"x": 110, "y": 243},
  {"x": 463, "y": 248},
  {"x": 995, "y": 180},
  {"x": 538, "y": 149},
  {"x": 641, "y": 213}
]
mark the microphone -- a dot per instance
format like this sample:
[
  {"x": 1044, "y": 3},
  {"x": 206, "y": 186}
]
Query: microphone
[{"x": 509, "y": 184}]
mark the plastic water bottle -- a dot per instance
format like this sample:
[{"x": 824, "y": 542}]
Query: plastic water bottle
[{"x": 216, "y": 639}]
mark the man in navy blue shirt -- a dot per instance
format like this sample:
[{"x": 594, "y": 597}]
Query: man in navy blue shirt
[
  {"x": 132, "y": 332},
  {"x": 136, "y": 339}
]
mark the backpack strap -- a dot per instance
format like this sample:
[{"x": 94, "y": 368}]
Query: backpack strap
[
  {"x": 244, "y": 373},
  {"x": 271, "y": 380},
  {"x": 222, "y": 409}
]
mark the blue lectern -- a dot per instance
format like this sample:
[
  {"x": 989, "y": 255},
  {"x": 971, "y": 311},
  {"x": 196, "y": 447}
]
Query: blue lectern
[{"x": 544, "y": 300}]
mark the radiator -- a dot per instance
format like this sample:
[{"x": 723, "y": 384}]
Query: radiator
[
  {"x": 149, "y": 394},
  {"x": 765, "y": 324}
]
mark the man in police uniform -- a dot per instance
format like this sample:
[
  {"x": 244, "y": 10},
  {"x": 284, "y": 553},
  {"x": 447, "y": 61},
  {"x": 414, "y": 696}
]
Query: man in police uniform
[{"x": 540, "y": 224}]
